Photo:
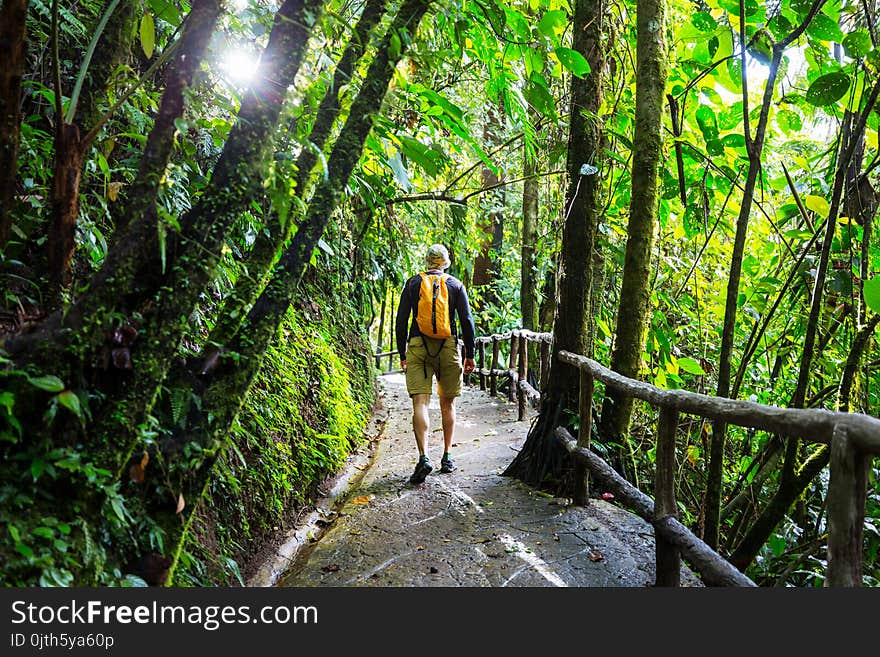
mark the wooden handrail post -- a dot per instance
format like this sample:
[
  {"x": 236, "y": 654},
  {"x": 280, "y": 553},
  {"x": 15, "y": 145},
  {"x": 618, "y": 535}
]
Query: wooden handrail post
[
  {"x": 585, "y": 427},
  {"x": 544, "y": 367},
  {"x": 493, "y": 376},
  {"x": 668, "y": 566},
  {"x": 512, "y": 365},
  {"x": 391, "y": 337},
  {"x": 846, "y": 511},
  {"x": 522, "y": 375},
  {"x": 481, "y": 363}
]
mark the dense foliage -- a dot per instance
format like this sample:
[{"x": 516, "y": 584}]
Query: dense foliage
[{"x": 174, "y": 305}]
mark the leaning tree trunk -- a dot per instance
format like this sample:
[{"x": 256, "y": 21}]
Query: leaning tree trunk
[
  {"x": 754, "y": 147},
  {"x": 235, "y": 180},
  {"x": 269, "y": 243},
  {"x": 233, "y": 380},
  {"x": 13, "y": 48},
  {"x": 635, "y": 290},
  {"x": 542, "y": 460}
]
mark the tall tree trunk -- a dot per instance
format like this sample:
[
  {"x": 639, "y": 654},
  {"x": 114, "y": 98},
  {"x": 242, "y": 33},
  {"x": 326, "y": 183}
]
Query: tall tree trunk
[
  {"x": 229, "y": 387},
  {"x": 528, "y": 292},
  {"x": 635, "y": 290},
  {"x": 13, "y": 48},
  {"x": 491, "y": 223},
  {"x": 269, "y": 243},
  {"x": 113, "y": 50},
  {"x": 542, "y": 461},
  {"x": 65, "y": 208}
]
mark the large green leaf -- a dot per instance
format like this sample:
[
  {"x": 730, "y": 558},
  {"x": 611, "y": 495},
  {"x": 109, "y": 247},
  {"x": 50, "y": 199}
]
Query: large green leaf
[
  {"x": 872, "y": 293},
  {"x": 828, "y": 88},
  {"x": 825, "y": 28},
  {"x": 551, "y": 21},
  {"x": 48, "y": 383},
  {"x": 857, "y": 44},
  {"x": 148, "y": 34},
  {"x": 789, "y": 121},
  {"x": 690, "y": 366},
  {"x": 573, "y": 61}
]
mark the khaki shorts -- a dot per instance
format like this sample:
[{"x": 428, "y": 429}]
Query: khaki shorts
[{"x": 422, "y": 367}]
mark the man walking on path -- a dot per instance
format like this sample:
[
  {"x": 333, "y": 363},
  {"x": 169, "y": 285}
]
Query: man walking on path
[{"x": 428, "y": 348}]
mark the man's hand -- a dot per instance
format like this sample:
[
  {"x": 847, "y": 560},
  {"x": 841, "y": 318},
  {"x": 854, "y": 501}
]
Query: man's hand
[
  {"x": 469, "y": 365},
  {"x": 403, "y": 364}
]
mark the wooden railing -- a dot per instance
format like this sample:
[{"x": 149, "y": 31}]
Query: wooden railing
[
  {"x": 517, "y": 371},
  {"x": 854, "y": 439}
]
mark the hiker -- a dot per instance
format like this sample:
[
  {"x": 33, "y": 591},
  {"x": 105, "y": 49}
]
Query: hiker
[{"x": 428, "y": 348}]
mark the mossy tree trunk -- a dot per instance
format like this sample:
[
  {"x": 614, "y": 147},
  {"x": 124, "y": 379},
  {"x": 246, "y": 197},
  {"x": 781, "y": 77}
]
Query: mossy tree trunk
[
  {"x": 132, "y": 267},
  {"x": 71, "y": 143},
  {"x": 528, "y": 292},
  {"x": 542, "y": 461},
  {"x": 13, "y": 48},
  {"x": 235, "y": 180},
  {"x": 632, "y": 317},
  {"x": 270, "y": 242},
  {"x": 231, "y": 382}
]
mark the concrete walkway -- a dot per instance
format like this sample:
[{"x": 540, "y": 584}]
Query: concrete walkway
[{"x": 472, "y": 527}]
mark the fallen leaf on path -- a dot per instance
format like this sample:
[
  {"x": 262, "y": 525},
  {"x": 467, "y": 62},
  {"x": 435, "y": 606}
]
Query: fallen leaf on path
[
  {"x": 361, "y": 467},
  {"x": 354, "y": 532},
  {"x": 419, "y": 548},
  {"x": 595, "y": 555},
  {"x": 363, "y": 499},
  {"x": 555, "y": 537},
  {"x": 332, "y": 568}
]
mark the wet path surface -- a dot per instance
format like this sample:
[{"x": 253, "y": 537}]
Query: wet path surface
[{"x": 472, "y": 527}]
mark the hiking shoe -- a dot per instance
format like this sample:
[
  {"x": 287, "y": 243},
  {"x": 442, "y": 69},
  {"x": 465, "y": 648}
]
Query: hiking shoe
[
  {"x": 423, "y": 469},
  {"x": 446, "y": 465}
]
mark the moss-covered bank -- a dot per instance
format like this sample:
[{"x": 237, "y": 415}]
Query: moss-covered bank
[{"x": 304, "y": 414}]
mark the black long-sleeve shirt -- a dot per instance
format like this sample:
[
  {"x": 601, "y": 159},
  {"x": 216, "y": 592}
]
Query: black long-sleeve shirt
[{"x": 458, "y": 305}]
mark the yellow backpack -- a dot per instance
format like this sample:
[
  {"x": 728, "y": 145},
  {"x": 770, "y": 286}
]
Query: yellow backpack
[{"x": 432, "y": 316}]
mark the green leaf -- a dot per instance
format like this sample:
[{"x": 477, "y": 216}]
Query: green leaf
[
  {"x": 148, "y": 34},
  {"x": 24, "y": 550},
  {"x": 71, "y": 402},
  {"x": 818, "y": 205},
  {"x": 48, "y": 383},
  {"x": 825, "y": 28},
  {"x": 38, "y": 466},
  {"x": 166, "y": 11},
  {"x": 857, "y": 44},
  {"x": 13, "y": 532},
  {"x": 551, "y": 21},
  {"x": 573, "y": 61},
  {"x": 704, "y": 22},
  {"x": 872, "y": 293},
  {"x": 690, "y": 366},
  {"x": 828, "y": 88},
  {"x": 43, "y": 532},
  {"x": 789, "y": 121}
]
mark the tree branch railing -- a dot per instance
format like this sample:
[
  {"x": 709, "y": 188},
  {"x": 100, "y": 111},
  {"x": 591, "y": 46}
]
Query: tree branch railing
[
  {"x": 518, "y": 366},
  {"x": 854, "y": 438}
]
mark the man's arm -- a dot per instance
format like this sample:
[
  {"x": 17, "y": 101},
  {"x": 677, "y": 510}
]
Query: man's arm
[
  {"x": 468, "y": 331},
  {"x": 401, "y": 325}
]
